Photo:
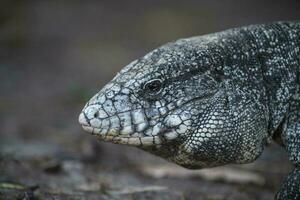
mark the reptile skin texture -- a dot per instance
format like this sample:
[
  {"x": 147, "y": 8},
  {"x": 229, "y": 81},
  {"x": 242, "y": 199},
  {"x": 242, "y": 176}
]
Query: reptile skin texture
[{"x": 208, "y": 100}]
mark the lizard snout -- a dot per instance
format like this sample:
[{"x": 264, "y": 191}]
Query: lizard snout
[
  {"x": 87, "y": 115},
  {"x": 94, "y": 119},
  {"x": 82, "y": 120}
]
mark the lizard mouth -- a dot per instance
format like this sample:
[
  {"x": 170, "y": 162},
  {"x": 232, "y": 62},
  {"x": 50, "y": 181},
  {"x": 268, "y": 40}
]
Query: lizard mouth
[
  {"x": 133, "y": 134},
  {"x": 132, "y": 140}
]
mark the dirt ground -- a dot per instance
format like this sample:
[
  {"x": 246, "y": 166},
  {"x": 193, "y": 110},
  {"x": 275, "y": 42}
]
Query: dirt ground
[{"x": 54, "y": 55}]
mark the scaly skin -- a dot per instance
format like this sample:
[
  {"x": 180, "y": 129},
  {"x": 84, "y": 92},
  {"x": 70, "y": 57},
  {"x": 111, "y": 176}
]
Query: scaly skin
[{"x": 209, "y": 100}]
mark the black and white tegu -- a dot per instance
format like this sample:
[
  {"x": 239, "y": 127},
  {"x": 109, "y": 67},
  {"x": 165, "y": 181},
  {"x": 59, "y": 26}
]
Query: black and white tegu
[{"x": 209, "y": 100}]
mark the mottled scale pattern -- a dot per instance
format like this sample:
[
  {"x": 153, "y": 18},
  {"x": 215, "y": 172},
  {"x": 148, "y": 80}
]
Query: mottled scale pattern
[{"x": 208, "y": 100}]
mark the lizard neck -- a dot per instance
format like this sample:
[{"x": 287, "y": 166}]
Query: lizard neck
[
  {"x": 297, "y": 28},
  {"x": 298, "y": 47},
  {"x": 279, "y": 58}
]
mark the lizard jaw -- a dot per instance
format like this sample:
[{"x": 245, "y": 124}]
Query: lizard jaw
[
  {"x": 132, "y": 140},
  {"x": 114, "y": 135}
]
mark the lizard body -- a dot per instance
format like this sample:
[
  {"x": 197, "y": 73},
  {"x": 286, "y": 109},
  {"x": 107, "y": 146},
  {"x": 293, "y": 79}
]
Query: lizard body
[{"x": 208, "y": 100}]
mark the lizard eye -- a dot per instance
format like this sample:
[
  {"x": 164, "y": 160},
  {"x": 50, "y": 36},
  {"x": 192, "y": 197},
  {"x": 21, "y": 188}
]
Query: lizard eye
[{"x": 153, "y": 86}]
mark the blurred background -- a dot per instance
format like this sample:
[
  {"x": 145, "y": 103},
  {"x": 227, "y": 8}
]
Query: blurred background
[{"x": 54, "y": 55}]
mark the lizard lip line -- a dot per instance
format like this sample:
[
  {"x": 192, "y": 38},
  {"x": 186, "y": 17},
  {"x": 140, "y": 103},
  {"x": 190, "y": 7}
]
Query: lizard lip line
[
  {"x": 134, "y": 139},
  {"x": 126, "y": 139},
  {"x": 114, "y": 133}
]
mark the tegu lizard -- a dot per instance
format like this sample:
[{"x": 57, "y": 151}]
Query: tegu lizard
[{"x": 209, "y": 100}]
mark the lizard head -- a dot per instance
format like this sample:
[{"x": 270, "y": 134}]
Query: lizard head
[{"x": 174, "y": 102}]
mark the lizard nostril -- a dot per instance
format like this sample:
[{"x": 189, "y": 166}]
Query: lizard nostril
[
  {"x": 91, "y": 112},
  {"x": 96, "y": 114}
]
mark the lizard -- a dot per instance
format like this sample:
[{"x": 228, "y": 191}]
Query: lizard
[{"x": 209, "y": 100}]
